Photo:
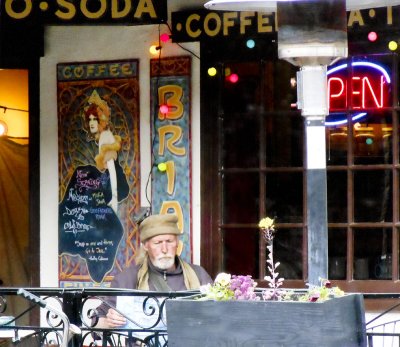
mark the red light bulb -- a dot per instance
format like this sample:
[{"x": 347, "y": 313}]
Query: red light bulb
[
  {"x": 164, "y": 37},
  {"x": 164, "y": 109},
  {"x": 233, "y": 78},
  {"x": 372, "y": 36}
]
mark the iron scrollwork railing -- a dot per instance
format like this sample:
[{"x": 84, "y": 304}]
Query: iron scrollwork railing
[
  {"x": 68, "y": 317},
  {"x": 71, "y": 316}
]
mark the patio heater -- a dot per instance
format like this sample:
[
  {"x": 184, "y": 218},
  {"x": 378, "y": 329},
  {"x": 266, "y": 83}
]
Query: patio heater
[{"x": 312, "y": 34}]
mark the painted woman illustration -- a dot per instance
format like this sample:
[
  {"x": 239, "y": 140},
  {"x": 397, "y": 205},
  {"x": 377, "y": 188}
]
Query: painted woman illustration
[
  {"x": 88, "y": 212},
  {"x": 97, "y": 124}
]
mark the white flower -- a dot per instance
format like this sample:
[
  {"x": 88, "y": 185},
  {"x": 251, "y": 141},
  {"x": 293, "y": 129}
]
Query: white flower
[
  {"x": 223, "y": 279},
  {"x": 266, "y": 223},
  {"x": 205, "y": 289}
]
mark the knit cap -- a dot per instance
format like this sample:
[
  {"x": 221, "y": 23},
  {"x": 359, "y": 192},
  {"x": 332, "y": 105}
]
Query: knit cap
[{"x": 158, "y": 224}]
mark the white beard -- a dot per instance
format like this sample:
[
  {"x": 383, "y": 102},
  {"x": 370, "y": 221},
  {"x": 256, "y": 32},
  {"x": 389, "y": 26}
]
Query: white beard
[{"x": 164, "y": 263}]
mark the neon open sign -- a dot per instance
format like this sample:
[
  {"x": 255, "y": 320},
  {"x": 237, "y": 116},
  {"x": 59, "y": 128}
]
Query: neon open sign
[{"x": 366, "y": 86}]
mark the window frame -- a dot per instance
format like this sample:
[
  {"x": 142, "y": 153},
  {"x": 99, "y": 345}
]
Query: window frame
[{"x": 212, "y": 222}]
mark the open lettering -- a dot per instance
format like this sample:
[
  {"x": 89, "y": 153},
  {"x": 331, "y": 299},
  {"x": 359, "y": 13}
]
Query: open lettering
[{"x": 366, "y": 86}]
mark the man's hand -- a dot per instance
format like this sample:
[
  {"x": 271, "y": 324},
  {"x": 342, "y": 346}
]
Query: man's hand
[{"x": 112, "y": 320}]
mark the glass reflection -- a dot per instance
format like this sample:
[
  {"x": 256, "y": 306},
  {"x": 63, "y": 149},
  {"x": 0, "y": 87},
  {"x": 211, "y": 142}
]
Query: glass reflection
[
  {"x": 288, "y": 251},
  {"x": 373, "y": 196},
  {"x": 372, "y": 254},
  {"x": 337, "y": 245}
]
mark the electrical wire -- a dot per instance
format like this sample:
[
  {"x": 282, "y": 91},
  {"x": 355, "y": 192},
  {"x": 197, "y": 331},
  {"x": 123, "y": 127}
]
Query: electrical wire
[
  {"x": 5, "y": 108},
  {"x": 177, "y": 43},
  {"x": 153, "y": 156}
]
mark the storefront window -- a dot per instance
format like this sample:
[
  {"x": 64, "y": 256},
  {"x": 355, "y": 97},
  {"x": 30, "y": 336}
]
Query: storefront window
[
  {"x": 288, "y": 249},
  {"x": 372, "y": 254},
  {"x": 337, "y": 246},
  {"x": 373, "y": 196},
  {"x": 337, "y": 196},
  {"x": 241, "y": 251},
  {"x": 238, "y": 187},
  {"x": 255, "y": 166}
]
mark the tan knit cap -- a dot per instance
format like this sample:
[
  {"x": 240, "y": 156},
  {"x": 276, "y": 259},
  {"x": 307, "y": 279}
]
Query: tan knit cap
[{"x": 158, "y": 224}]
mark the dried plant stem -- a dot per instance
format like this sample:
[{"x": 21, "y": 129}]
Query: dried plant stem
[{"x": 273, "y": 281}]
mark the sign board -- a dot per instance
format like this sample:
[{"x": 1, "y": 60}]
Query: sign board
[
  {"x": 171, "y": 143},
  {"x": 85, "y": 12},
  {"x": 202, "y": 24}
]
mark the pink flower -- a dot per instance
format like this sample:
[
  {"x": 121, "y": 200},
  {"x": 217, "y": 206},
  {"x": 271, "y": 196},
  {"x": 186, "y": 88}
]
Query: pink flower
[
  {"x": 243, "y": 287},
  {"x": 314, "y": 297},
  {"x": 328, "y": 284}
]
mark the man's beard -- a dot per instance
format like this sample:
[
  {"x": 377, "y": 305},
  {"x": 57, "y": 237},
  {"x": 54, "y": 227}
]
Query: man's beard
[{"x": 164, "y": 263}]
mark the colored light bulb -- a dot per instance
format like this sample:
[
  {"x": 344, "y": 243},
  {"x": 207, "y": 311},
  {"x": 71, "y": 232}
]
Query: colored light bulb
[
  {"x": 162, "y": 167},
  {"x": 372, "y": 36},
  {"x": 164, "y": 109},
  {"x": 154, "y": 49},
  {"x": 250, "y": 44},
  {"x": 233, "y": 78},
  {"x": 164, "y": 37},
  {"x": 392, "y": 45},
  {"x": 212, "y": 71}
]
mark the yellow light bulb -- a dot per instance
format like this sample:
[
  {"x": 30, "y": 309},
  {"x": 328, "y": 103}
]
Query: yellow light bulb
[
  {"x": 212, "y": 71},
  {"x": 393, "y": 45},
  {"x": 154, "y": 49},
  {"x": 162, "y": 167}
]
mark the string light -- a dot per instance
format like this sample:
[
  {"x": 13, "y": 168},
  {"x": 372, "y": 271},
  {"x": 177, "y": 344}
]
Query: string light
[
  {"x": 212, "y": 71},
  {"x": 165, "y": 37},
  {"x": 392, "y": 45},
  {"x": 154, "y": 49},
  {"x": 250, "y": 44},
  {"x": 164, "y": 109},
  {"x": 372, "y": 36},
  {"x": 233, "y": 78},
  {"x": 162, "y": 167},
  {"x": 5, "y": 108}
]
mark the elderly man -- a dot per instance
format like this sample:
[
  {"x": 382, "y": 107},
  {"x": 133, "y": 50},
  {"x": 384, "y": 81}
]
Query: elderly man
[{"x": 157, "y": 266}]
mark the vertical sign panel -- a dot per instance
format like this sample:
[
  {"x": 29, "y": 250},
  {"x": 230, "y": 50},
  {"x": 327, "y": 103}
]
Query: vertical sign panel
[
  {"x": 171, "y": 148},
  {"x": 98, "y": 123}
]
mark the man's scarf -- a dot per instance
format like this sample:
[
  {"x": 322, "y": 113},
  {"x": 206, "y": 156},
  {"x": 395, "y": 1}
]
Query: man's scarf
[{"x": 189, "y": 276}]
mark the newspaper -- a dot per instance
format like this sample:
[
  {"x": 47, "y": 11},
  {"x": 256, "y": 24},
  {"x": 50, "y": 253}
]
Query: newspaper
[{"x": 143, "y": 313}]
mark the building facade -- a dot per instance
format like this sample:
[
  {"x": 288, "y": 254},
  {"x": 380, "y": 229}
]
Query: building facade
[{"x": 247, "y": 138}]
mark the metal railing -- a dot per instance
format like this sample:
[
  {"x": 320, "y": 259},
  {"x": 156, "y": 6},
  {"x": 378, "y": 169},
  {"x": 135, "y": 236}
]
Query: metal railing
[
  {"x": 383, "y": 330},
  {"x": 71, "y": 315}
]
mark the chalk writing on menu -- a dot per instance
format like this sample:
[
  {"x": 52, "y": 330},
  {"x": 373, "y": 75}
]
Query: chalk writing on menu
[{"x": 89, "y": 228}]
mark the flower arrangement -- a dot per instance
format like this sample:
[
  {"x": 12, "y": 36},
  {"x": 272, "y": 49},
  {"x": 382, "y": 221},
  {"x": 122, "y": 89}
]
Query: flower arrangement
[
  {"x": 323, "y": 292},
  {"x": 227, "y": 287},
  {"x": 232, "y": 287}
]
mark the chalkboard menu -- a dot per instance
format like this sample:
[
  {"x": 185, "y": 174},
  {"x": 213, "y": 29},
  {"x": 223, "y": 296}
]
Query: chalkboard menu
[{"x": 89, "y": 227}]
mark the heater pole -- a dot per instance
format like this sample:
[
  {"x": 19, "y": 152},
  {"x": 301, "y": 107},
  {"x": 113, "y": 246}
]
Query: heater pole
[{"x": 313, "y": 101}]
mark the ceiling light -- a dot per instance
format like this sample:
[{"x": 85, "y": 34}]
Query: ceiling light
[
  {"x": 270, "y": 5},
  {"x": 3, "y": 128}
]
